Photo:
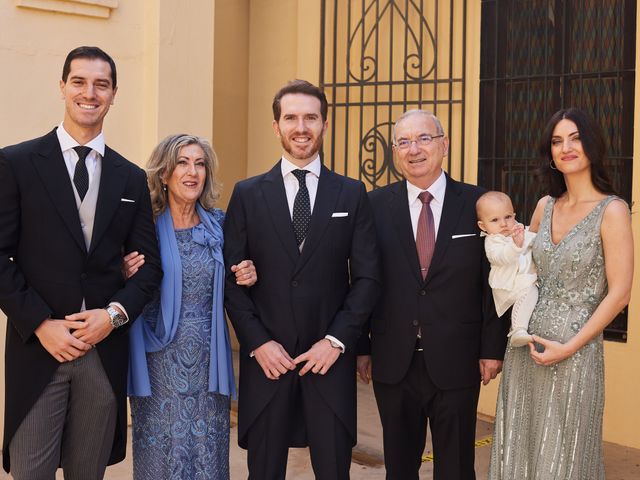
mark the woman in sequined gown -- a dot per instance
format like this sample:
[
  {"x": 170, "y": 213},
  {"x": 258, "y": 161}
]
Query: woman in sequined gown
[
  {"x": 181, "y": 375},
  {"x": 551, "y": 396}
]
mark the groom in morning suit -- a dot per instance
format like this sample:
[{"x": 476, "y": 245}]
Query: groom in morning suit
[
  {"x": 310, "y": 234},
  {"x": 69, "y": 207},
  {"x": 434, "y": 332}
]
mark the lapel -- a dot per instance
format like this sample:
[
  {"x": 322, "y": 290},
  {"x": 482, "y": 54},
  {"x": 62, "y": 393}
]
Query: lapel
[
  {"x": 399, "y": 211},
  {"x": 113, "y": 180},
  {"x": 329, "y": 186},
  {"x": 49, "y": 164},
  {"x": 451, "y": 210},
  {"x": 275, "y": 197}
]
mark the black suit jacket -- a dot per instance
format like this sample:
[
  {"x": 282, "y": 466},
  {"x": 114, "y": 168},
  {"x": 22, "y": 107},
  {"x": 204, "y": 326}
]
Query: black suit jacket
[
  {"x": 453, "y": 306},
  {"x": 329, "y": 288},
  {"x": 46, "y": 270}
]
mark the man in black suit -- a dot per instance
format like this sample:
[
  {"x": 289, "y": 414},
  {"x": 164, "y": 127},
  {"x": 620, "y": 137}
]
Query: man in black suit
[
  {"x": 434, "y": 332},
  {"x": 310, "y": 234},
  {"x": 69, "y": 207}
]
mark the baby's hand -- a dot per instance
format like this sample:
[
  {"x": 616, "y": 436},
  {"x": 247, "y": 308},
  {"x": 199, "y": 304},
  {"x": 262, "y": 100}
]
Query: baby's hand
[{"x": 517, "y": 234}]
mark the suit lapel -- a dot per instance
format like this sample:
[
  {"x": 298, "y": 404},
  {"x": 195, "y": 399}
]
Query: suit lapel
[
  {"x": 276, "y": 200},
  {"x": 49, "y": 164},
  {"x": 329, "y": 186},
  {"x": 399, "y": 211},
  {"x": 113, "y": 181},
  {"x": 451, "y": 209}
]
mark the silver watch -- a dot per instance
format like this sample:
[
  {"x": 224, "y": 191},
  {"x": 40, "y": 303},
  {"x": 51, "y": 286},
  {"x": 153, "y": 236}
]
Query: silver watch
[{"x": 117, "y": 319}]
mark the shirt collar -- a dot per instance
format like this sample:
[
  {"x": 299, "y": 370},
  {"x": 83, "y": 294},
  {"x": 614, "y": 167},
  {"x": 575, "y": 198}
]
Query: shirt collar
[
  {"x": 314, "y": 167},
  {"x": 436, "y": 189},
  {"x": 67, "y": 142}
]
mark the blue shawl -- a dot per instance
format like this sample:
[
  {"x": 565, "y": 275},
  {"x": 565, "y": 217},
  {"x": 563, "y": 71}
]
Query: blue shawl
[{"x": 143, "y": 338}]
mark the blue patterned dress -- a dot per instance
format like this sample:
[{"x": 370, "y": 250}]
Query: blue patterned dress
[{"x": 181, "y": 431}]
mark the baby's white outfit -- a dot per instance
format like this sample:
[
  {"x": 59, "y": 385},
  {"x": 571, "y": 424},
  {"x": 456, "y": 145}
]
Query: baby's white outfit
[{"x": 512, "y": 277}]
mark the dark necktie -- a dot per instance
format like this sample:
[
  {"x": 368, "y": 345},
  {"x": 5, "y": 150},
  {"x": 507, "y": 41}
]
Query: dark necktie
[
  {"x": 425, "y": 234},
  {"x": 301, "y": 207},
  {"x": 81, "y": 174}
]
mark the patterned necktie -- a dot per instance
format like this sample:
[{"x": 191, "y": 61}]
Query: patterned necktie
[
  {"x": 81, "y": 174},
  {"x": 301, "y": 207},
  {"x": 425, "y": 234}
]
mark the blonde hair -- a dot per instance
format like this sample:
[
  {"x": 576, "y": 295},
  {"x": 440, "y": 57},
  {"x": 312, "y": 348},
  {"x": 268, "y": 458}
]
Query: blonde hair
[{"x": 163, "y": 161}]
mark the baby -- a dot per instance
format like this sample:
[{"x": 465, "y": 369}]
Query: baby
[{"x": 513, "y": 275}]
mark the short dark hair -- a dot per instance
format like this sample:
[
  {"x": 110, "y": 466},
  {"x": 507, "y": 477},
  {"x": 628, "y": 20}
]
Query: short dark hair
[
  {"x": 594, "y": 147},
  {"x": 90, "y": 53},
  {"x": 304, "y": 87}
]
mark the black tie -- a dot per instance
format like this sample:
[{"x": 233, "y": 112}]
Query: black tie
[
  {"x": 81, "y": 174},
  {"x": 301, "y": 207}
]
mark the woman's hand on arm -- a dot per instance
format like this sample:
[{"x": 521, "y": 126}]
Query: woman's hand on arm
[
  {"x": 131, "y": 263},
  {"x": 245, "y": 273}
]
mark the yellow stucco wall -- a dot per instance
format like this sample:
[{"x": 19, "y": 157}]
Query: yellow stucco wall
[
  {"x": 283, "y": 45},
  {"x": 212, "y": 68}
]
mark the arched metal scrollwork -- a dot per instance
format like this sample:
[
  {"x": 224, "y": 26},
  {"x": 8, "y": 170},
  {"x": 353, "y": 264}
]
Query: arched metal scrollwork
[
  {"x": 419, "y": 42},
  {"x": 373, "y": 170},
  {"x": 380, "y": 58}
]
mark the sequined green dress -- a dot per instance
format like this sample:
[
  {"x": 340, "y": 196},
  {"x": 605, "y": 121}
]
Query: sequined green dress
[{"x": 549, "y": 419}]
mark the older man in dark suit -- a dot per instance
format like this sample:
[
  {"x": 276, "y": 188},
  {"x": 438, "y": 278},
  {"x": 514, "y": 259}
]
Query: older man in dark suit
[
  {"x": 434, "y": 332},
  {"x": 310, "y": 233},
  {"x": 69, "y": 207}
]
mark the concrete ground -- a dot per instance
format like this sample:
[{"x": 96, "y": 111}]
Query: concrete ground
[{"x": 622, "y": 463}]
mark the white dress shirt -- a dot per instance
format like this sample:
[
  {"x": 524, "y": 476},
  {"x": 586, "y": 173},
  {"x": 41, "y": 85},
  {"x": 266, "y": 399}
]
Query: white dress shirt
[
  {"x": 70, "y": 156},
  {"x": 437, "y": 190},
  {"x": 291, "y": 185}
]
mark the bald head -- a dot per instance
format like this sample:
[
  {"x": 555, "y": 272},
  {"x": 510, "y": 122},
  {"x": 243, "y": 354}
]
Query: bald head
[
  {"x": 490, "y": 200},
  {"x": 411, "y": 113}
]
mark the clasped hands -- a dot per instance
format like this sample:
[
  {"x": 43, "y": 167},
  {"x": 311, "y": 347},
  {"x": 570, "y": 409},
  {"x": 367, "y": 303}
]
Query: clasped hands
[
  {"x": 275, "y": 361},
  {"x": 72, "y": 337}
]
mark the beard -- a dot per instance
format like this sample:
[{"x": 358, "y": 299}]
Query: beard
[{"x": 299, "y": 152}]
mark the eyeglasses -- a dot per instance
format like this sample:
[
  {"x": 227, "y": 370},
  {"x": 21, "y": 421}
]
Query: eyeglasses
[{"x": 422, "y": 140}]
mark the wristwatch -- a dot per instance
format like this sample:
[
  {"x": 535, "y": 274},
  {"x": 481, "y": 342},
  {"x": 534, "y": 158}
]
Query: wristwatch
[
  {"x": 117, "y": 319},
  {"x": 334, "y": 344}
]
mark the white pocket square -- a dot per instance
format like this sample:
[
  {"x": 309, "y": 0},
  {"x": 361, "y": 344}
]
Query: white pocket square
[
  {"x": 462, "y": 235},
  {"x": 340, "y": 214},
  {"x": 127, "y": 200}
]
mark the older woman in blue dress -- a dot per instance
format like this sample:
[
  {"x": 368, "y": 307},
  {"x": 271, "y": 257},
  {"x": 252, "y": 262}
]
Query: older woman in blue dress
[{"x": 181, "y": 374}]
